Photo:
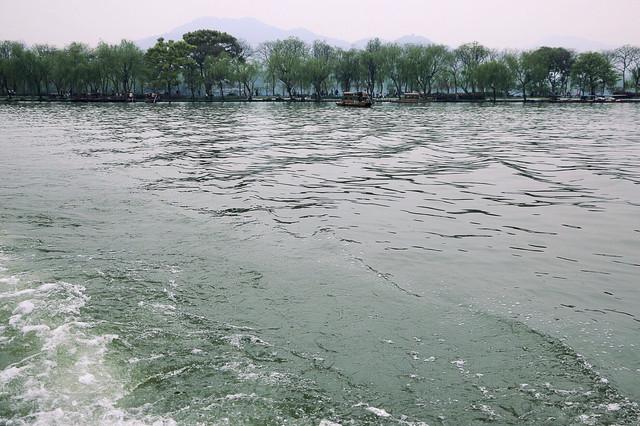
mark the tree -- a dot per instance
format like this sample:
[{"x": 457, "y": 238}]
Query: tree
[
  {"x": 129, "y": 60},
  {"x": 428, "y": 62},
  {"x": 373, "y": 61},
  {"x": 525, "y": 71},
  {"x": 264, "y": 53},
  {"x": 470, "y": 56},
  {"x": 286, "y": 59},
  {"x": 347, "y": 68},
  {"x": 212, "y": 44},
  {"x": 591, "y": 71},
  {"x": 218, "y": 70},
  {"x": 247, "y": 73},
  {"x": 319, "y": 66},
  {"x": 494, "y": 75},
  {"x": 396, "y": 66},
  {"x": 624, "y": 58},
  {"x": 635, "y": 76},
  {"x": 165, "y": 62},
  {"x": 36, "y": 63},
  {"x": 557, "y": 63},
  {"x": 12, "y": 66},
  {"x": 191, "y": 76}
]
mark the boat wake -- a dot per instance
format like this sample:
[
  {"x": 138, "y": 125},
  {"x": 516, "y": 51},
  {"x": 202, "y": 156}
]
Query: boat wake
[{"x": 54, "y": 367}]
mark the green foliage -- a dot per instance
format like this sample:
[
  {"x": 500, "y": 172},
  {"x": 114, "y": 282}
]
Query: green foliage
[
  {"x": 591, "y": 71},
  {"x": 246, "y": 73},
  {"x": 374, "y": 62},
  {"x": 494, "y": 75},
  {"x": 556, "y": 63},
  {"x": 426, "y": 63},
  {"x": 218, "y": 70},
  {"x": 397, "y": 66},
  {"x": 208, "y": 59},
  {"x": 165, "y": 62},
  {"x": 348, "y": 69},
  {"x": 468, "y": 57},
  {"x": 210, "y": 45},
  {"x": 286, "y": 62},
  {"x": 319, "y": 66}
]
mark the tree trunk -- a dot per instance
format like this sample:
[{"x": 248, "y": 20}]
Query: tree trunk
[{"x": 207, "y": 89}]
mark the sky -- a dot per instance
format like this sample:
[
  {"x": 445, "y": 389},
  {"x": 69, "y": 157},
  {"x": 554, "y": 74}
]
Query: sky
[{"x": 496, "y": 23}]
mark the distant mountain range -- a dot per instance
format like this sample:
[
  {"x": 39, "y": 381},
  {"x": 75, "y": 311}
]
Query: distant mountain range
[
  {"x": 255, "y": 32},
  {"x": 577, "y": 43}
]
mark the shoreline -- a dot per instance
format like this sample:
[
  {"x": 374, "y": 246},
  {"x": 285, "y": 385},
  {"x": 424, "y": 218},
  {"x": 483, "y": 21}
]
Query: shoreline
[{"x": 21, "y": 99}]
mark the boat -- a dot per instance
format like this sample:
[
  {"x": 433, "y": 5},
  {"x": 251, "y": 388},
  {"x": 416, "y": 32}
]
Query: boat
[
  {"x": 409, "y": 98},
  {"x": 355, "y": 99},
  {"x": 151, "y": 98}
]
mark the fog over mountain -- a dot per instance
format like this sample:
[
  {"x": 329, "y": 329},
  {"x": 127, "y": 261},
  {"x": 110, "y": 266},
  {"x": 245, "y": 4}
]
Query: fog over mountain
[{"x": 255, "y": 32}]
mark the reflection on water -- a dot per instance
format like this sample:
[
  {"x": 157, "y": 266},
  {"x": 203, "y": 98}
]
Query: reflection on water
[{"x": 271, "y": 263}]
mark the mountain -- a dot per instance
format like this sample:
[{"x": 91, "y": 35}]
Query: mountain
[
  {"x": 577, "y": 43},
  {"x": 408, "y": 39},
  {"x": 255, "y": 32},
  {"x": 248, "y": 29}
]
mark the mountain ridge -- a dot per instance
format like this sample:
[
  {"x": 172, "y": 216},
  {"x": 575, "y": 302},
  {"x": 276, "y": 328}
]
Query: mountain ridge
[{"x": 255, "y": 32}]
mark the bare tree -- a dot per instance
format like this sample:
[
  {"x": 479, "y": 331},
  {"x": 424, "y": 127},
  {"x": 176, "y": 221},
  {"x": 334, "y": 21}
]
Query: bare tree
[{"x": 623, "y": 58}]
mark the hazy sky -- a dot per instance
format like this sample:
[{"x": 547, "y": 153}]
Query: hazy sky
[{"x": 497, "y": 23}]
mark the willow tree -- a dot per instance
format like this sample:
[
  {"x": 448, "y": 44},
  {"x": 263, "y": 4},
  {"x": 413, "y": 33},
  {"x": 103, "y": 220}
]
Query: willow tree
[
  {"x": 526, "y": 71},
  {"x": 347, "y": 68},
  {"x": 470, "y": 56},
  {"x": 218, "y": 70},
  {"x": 286, "y": 61},
  {"x": 494, "y": 75},
  {"x": 428, "y": 62},
  {"x": 247, "y": 73},
  {"x": 319, "y": 66},
  {"x": 373, "y": 60},
  {"x": 396, "y": 66}
]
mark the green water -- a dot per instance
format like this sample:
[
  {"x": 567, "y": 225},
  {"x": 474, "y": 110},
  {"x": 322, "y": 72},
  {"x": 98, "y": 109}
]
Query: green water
[{"x": 306, "y": 264}]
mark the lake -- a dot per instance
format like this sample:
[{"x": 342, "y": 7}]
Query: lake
[{"x": 306, "y": 264}]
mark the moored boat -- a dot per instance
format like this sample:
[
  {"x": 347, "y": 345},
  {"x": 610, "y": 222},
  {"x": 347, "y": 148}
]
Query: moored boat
[
  {"x": 355, "y": 99},
  {"x": 409, "y": 98}
]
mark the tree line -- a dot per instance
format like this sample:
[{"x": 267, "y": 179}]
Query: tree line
[{"x": 206, "y": 63}]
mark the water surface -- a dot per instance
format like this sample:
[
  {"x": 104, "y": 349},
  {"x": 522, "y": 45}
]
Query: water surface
[{"x": 305, "y": 264}]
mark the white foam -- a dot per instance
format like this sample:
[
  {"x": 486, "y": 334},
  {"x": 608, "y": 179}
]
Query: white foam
[
  {"x": 16, "y": 294},
  {"x": 39, "y": 329},
  {"x": 459, "y": 363},
  {"x": 25, "y": 307},
  {"x": 613, "y": 406},
  {"x": 238, "y": 340},
  {"x": 87, "y": 379},
  {"x": 12, "y": 280},
  {"x": 588, "y": 419},
  {"x": 47, "y": 287},
  {"x": 10, "y": 373},
  {"x": 325, "y": 422},
  {"x": 378, "y": 411},
  {"x": 239, "y": 396}
]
